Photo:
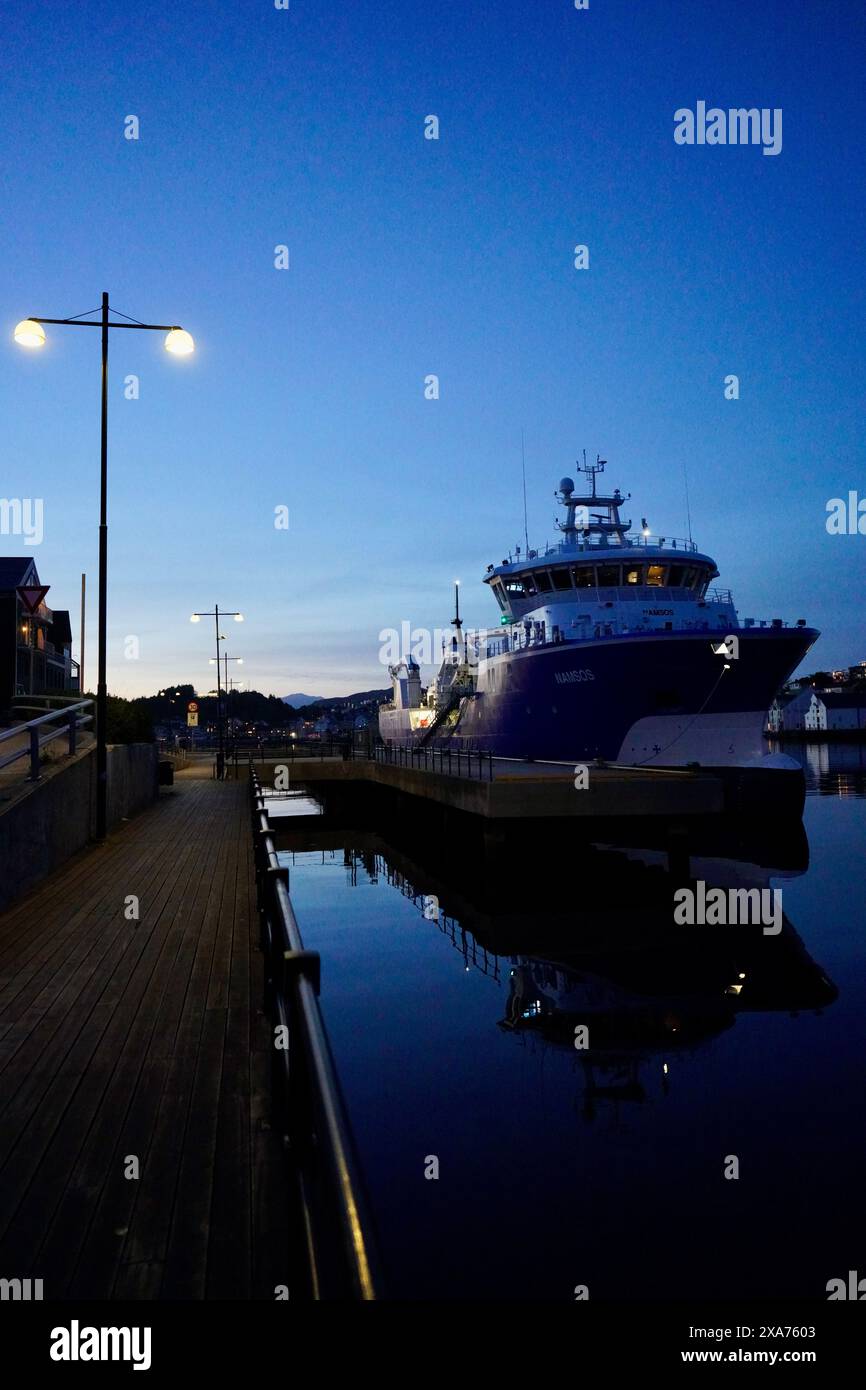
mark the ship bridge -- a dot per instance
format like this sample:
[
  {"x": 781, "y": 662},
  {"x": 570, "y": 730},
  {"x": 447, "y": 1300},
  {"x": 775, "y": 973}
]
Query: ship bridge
[
  {"x": 598, "y": 560},
  {"x": 600, "y": 578}
]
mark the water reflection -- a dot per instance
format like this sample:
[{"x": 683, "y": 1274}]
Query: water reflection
[
  {"x": 591, "y": 956},
  {"x": 831, "y": 769},
  {"x": 457, "y": 967}
]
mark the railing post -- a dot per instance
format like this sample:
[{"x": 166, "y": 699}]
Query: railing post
[
  {"x": 34, "y": 755},
  {"x": 73, "y": 728}
]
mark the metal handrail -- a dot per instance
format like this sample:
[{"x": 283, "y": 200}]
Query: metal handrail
[
  {"x": 453, "y": 762},
  {"x": 310, "y": 1103},
  {"x": 74, "y": 722}
]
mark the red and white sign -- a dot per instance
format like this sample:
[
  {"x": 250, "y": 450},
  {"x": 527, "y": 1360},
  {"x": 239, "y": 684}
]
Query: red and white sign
[
  {"x": 192, "y": 707},
  {"x": 32, "y": 597}
]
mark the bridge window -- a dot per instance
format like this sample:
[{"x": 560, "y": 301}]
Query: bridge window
[
  {"x": 634, "y": 575},
  {"x": 583, "y": 576},
  {"x": 529, "y": 584},
  {"x": 498, "y": 594},
  {"x": 542, "y": 579},
  {"x": 608, "y": 576},
  {"x": 561, "y": 578},
  {"x": 675, "y": 577},
  {"x": 515, "y": 587},
  {"x": 655, "y": 576}
]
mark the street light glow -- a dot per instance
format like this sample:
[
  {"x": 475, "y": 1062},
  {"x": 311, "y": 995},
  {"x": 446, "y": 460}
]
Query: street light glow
[
  {"x": 30, "y": 334},
  {"x": 239, "y": 617},
  {"x": 195, "y": 618},
  {"x": 178, "y": 341}
]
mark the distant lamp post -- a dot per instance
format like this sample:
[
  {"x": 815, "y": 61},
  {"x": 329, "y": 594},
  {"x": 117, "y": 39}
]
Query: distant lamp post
[
  {"x": 216, "y": 615},
  {"x": 226, "y": 684},
  {"x": 29, "y": 333}
]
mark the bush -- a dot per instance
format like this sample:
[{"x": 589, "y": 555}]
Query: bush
[{"x": 128, "y": 720}]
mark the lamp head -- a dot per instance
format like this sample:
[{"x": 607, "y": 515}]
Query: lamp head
[
  {"x": 178, "y": 341},
  {"x": 30, "y": 334},
  {"x": 195, "y": 618},
  {"x": 239, "y": 617}
]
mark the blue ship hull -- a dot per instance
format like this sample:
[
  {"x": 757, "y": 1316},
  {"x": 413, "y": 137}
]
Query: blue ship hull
[{"x": 655, "y": 698}]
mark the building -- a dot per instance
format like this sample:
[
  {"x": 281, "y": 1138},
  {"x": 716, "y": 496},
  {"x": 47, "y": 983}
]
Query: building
[
  {"x": 788, "y": 711},
  {"x": 35, "y": 648},
  {"x": 837, "y": 711}
]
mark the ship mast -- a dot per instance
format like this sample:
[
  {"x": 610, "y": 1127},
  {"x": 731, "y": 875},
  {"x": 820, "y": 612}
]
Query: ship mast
[
  {"x": 599, "y": 514},
  {"x": 457, "y": 621}
]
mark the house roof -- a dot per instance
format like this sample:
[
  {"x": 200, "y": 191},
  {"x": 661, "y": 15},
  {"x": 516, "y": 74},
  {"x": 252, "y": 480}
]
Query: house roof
[
  {"x": 787, "y": 697},
  {"x": 15, "y": 570}
]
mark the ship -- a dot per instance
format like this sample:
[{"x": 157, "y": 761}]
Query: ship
[{"x": 613, "y": 644}]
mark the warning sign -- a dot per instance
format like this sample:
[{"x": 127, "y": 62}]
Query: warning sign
[
  {"x": 192, "y": 719},
  {"x": 33, "y": 596}
]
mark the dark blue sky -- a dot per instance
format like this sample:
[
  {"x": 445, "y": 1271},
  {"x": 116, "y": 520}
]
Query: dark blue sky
[{"x": 261, "y": 127}]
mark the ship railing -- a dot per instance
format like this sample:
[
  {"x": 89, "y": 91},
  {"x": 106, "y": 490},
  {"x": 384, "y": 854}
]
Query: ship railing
[
  {"x": 603, "y": 629},
  {"x": 340, "y": 1258},
  {"x": 472, "y": 764},
  {"x": 591, "y": 540}
]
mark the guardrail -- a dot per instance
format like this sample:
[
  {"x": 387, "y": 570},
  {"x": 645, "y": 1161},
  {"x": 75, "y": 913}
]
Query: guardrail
[
  {"x": 451, "y": 762},
  {"x": 73, "y": 721},
  {"x": 340, "y": 1250},
  {"x": 296, "y": 750}
]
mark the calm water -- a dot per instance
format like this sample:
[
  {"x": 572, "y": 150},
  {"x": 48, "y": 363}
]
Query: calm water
[{"x": 557, "y": 1167}]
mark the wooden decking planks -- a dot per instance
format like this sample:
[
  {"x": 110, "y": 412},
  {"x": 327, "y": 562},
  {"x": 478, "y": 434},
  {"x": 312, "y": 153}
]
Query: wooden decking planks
[{"x": 121, "y": 1037}]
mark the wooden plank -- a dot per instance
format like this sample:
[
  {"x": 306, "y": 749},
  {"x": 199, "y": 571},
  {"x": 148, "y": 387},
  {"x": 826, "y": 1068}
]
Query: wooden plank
[{"x": 121, "y": 1038}]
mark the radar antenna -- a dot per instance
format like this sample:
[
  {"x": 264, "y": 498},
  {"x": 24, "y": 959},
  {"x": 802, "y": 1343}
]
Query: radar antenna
[{"x": 592, "y": 469}]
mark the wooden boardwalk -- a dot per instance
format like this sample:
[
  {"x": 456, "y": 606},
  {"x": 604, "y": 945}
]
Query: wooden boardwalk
[{"x": 124, "y": 1039}]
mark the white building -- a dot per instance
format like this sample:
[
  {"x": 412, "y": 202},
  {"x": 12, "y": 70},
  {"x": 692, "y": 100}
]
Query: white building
[
  {"x": 788, "y": 712},
  {"x": 837, "y": 711}
]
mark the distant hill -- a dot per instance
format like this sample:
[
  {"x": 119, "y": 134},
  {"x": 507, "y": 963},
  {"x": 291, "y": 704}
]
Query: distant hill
[
  {"x": 298, "y": 701},
  {"x": 361, "y": 697}
]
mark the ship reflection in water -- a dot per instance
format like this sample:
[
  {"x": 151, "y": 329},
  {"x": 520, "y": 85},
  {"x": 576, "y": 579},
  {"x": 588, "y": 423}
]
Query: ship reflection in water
[
  {"x": 582, "y": 1068},
  {"x": 621, "y": 987}
]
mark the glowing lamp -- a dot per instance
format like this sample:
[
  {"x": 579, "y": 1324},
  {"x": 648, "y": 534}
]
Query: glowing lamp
[
  {"x": 30, "y": 334},
  {"x": 178, "y": 341}
]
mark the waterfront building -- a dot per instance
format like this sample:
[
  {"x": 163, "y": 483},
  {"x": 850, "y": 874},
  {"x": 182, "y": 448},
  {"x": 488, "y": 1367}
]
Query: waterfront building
[
  {"x": 788, "y": 711},
  {"x": 836, "y": 711},
  {"x": 35, "y": 647}
]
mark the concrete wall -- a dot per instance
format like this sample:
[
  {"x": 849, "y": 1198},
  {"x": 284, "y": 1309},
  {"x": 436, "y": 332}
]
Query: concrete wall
[
  {"x": 55, "y": 818},
  {"x": 132, "y": 780}
]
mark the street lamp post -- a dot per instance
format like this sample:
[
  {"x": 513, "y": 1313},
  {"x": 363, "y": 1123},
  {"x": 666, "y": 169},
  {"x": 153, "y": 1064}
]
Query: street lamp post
[
  {"x": 238, "y": 617},
  {"x": 226, "y": 659},
  {"x": 30, "y": 333}
]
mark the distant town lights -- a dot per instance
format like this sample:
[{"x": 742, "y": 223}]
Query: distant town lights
[
  {"x": 178, "y": 341},
  {"x": 30, "y": 334}
]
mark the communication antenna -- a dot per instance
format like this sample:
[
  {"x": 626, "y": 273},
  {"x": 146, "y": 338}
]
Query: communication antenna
[
  {"x": 523, "y": 460},
  {"x": 688, "y": 509}
]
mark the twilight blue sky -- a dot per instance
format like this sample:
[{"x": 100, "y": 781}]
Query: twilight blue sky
[{"x": 409, "y": 256}]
